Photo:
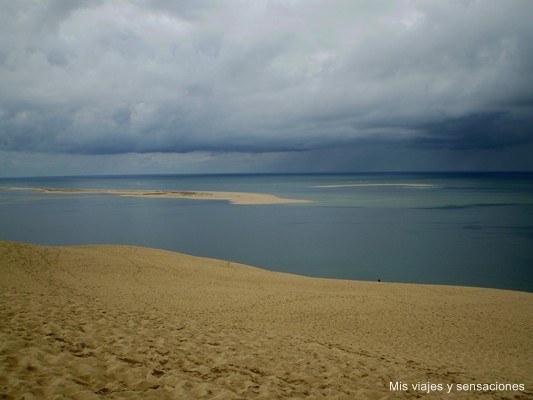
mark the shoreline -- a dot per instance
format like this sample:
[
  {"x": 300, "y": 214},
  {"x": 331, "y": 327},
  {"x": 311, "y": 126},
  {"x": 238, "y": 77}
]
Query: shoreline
[
  {"x": 238, "y": 198},
  {"x": 128, "y": 321}
]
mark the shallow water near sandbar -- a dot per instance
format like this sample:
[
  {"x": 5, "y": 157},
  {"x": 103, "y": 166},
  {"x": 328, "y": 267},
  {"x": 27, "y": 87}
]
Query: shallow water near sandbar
[{"x": 461, "y": 229}]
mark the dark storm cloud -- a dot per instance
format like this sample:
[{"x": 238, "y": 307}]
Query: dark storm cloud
[
  {"x": 113, "y": 77},
  {"x": 478, "y": 131}
]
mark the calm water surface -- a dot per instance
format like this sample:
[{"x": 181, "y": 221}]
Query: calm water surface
[{"x": 465, "y": 229}]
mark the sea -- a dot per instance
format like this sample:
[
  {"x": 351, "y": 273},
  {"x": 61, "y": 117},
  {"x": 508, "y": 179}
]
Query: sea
[{"x": 472, "y": 229}]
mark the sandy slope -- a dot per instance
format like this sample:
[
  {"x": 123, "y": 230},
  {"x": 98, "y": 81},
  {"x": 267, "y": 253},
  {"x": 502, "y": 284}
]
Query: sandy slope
[{"x": 126, "y": 322}]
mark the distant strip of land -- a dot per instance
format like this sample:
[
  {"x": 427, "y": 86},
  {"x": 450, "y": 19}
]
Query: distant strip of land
[
  {"x": 232, "y": 197},
  {"x": 414, "y": 185}
]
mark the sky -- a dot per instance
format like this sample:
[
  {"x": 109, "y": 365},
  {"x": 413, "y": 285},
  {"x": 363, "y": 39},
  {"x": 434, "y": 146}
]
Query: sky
[{"x": 236, "y": 86}]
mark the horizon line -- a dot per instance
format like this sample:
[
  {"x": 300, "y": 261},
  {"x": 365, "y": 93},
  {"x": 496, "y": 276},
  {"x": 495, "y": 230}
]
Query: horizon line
[{"x": 477, "y": 172}]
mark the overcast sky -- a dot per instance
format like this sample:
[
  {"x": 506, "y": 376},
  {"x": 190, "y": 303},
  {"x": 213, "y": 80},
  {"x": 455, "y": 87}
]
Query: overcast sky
[{"x": 192, "y": 86}]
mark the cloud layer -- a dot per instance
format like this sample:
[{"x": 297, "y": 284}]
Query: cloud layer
[{"x": 113, "y": 77}]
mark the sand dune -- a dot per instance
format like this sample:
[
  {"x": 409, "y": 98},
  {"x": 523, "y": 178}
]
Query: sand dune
[
  {"x": 124, "y": 322},
  {"x": 232, "y": 197}
]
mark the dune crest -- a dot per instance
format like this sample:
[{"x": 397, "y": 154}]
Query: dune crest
[{"x": 94, "y": 322}]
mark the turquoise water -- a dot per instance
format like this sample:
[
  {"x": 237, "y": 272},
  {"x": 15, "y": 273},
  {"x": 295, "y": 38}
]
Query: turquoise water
[{"x": 464, "y": 229}]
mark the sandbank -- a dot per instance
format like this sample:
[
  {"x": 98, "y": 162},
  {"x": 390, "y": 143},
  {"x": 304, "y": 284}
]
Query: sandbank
[
  {"x": 95, "y": 322},
  {"x": 232, "y": 197},
  {"x": 413, "y": 185}
]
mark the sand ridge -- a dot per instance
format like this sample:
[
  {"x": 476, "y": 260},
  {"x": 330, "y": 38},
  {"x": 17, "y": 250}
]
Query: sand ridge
[
  {"x": 406, "y": 185},
  {"x": 240, "y": 198},
  {"x": 116, "y": 322}
]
